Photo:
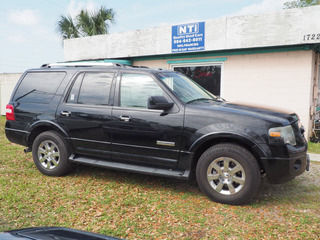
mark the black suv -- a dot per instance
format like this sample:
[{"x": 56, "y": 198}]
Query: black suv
[{"x": 154, "y": 122}]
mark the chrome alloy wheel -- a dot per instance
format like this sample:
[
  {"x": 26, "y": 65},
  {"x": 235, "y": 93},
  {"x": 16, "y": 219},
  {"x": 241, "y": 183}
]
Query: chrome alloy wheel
[
  {"x": 48, "y": 154},
  {"x": 226, "y": 176}
]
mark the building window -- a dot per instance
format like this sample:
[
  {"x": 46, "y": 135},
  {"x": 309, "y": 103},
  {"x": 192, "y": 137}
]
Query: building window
[{"x": 207, "y": 76}]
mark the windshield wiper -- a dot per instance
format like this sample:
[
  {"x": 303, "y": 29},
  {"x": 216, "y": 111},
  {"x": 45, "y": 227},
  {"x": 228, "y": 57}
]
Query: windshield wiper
[
  {"x": 199, "y": 99},
  {"x": 26, "y": 94},
  {"x": 220, "y": 99}
]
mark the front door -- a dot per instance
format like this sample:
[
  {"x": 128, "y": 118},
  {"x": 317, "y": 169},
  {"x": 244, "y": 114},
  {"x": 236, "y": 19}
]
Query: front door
[
  {"x": 86, "y": 113},
  {"x": 141, "y": 135}
]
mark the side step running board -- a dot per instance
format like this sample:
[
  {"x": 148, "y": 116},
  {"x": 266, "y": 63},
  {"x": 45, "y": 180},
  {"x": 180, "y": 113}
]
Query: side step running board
[{"x": 131, "y": 168}]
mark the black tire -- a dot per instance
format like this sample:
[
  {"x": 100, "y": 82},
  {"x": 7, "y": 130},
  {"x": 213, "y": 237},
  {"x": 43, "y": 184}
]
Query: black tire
[
  {"x": 234, "y": 185},
  {"x": 50, "y": 154}
]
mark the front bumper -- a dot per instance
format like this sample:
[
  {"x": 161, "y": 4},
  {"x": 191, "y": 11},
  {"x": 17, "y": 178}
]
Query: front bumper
[{"x": 280, "y": 170}]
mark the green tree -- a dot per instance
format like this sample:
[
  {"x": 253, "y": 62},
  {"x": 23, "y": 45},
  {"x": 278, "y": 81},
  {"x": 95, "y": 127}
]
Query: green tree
[
  {"x": 86, "y": 23},
  {"x": 301, "y": 3}
]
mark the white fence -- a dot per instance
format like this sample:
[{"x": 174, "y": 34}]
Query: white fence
[{"x": 7, "y": 84}]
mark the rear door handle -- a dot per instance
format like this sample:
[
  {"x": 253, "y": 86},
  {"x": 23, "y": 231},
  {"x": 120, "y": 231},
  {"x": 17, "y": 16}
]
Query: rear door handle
[
  {"x": 65, "y": 113},
  {"x": 125, "y": 118}
]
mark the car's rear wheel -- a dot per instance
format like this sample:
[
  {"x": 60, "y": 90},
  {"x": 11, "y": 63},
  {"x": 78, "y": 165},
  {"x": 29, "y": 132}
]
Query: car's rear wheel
[
  {"x": 228, "y": 173},
  {"x": 50, "y": 154}
]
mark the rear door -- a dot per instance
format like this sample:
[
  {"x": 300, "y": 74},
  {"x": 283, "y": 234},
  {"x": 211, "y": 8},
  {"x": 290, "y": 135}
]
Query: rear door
[
  {"x": 86, "y": 112},
  {"x": 141, "y": 135}
]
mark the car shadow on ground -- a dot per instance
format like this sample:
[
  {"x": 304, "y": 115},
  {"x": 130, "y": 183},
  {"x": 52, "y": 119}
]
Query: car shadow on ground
[
  {"x": 292, "y": 191},
  {"x": 140, "y": 180}
]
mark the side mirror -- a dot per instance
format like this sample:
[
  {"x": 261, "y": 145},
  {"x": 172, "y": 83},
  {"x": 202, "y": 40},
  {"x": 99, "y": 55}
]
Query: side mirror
[{"x": 159, "y": 102}]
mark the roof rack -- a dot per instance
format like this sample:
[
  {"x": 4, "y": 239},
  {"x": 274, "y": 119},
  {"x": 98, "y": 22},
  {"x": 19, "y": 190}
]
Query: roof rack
[
  {"x": 139, "y": 66},
  {"x": 83, "y": 64}
]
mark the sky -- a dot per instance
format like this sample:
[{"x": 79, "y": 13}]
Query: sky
[{"x": 28, "y": 36}]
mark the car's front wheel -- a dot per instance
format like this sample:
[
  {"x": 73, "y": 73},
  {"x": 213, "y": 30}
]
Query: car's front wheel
[
  {"x": 228, "y": 173},
  {"x": 50, "y": 154}
]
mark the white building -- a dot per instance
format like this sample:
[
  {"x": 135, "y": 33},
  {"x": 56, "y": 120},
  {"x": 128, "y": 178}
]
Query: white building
[
  {"x": 7, "y": 84},
  {"x": 269, "y": 59}
]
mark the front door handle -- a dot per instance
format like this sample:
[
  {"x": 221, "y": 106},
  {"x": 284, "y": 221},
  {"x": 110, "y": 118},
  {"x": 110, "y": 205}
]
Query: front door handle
[
  {"x": 65, "y": 113},
  {"x": 125, "y": 118}
]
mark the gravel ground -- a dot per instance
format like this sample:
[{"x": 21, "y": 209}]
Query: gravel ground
[
  {"x": 313, "y": 176},
  {"x": 300, "y": 186}
]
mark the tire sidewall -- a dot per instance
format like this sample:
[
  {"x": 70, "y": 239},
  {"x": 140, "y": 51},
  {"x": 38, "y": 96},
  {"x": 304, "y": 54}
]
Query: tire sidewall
[{"x": 244, "y": 158}]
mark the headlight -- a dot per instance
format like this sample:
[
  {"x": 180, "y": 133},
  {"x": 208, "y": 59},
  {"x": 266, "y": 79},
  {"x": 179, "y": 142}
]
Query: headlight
[{"x": 282, "y": 135}]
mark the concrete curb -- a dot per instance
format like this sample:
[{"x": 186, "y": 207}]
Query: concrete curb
[{"x": 314, "y": 157}]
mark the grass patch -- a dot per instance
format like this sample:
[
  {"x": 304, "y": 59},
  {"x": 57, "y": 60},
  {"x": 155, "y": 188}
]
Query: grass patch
[
  {"x": 314, "y": 147},
  {"x": 135, "y": 206}
]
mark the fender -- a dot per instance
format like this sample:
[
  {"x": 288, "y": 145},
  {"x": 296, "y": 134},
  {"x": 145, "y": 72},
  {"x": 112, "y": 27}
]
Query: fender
[
  {"x": 261, "y": 152},
  {"x": 49, "y": 124}
]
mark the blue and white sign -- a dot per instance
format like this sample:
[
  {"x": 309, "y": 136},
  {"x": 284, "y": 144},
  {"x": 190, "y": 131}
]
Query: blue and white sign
[{"x": 188, "y": 37}]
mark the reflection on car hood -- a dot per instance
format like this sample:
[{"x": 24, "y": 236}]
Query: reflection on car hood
[
  {"x": 52, "y": 233},
  {"x": 263, "y": 112}
]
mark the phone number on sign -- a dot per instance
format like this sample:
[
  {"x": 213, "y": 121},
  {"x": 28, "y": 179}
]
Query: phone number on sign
[{"x": 311, "y": 37}]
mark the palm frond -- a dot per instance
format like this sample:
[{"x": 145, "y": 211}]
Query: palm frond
[
  {"x": 66, "y": 27},
  {"x": 86, "y": 23}
]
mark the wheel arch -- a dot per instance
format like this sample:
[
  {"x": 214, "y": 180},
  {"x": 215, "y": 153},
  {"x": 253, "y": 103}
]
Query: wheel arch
[
  {"x": 43, "y": 126},
  {"x": 200, "y": 146}
]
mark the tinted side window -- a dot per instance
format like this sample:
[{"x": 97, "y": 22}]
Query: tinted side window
[
  {"x": 91, "y": 88},
  {"x": 74, "y": 93},
  {"x": 39, "y": 87},
  {"x": 136, "y": 89}
]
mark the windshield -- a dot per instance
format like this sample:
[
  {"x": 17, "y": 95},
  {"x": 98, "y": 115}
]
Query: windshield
[{"x": 184, "y": 88}]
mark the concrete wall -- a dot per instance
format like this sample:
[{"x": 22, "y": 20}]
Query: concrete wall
[
  {"x": 10, "y": 77},
  {"x": 280, "y": 79},
  {"x": 7, "y": 84},
  {"x": 281, "y": 28}
]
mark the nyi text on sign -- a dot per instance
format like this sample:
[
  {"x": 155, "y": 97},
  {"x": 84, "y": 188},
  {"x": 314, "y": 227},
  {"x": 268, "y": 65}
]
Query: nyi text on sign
[{"x": 188, "y": 37}]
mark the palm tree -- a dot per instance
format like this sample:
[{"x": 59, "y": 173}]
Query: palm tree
[
  {"x": 300, "y": 3},
  {"x": 66, "y": 28},
  {"x": 86, "y": 23}
]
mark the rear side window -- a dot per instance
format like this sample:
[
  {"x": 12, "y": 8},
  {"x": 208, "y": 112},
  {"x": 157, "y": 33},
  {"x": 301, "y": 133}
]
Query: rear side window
[
  {"x": 39, "y": 87},
  {"x": 91, "y": 88}
]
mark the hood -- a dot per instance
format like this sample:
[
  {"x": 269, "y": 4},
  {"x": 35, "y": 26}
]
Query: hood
[{"x": 266, "y": 113}]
